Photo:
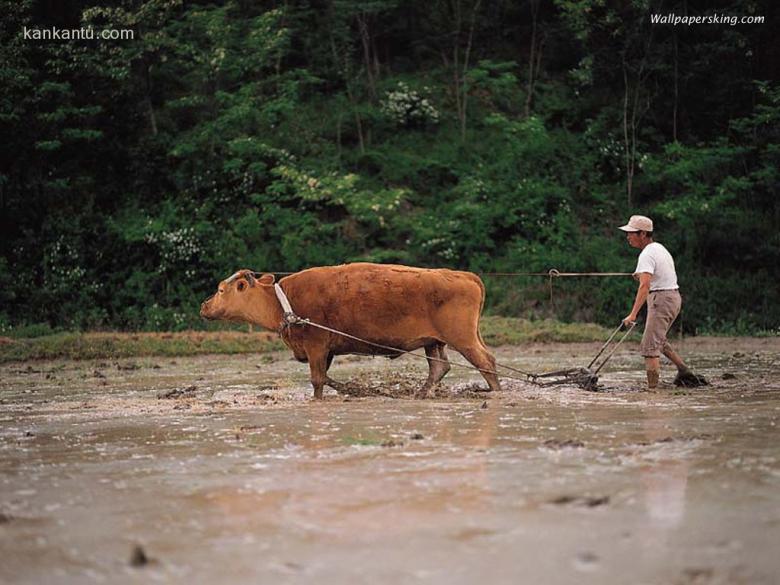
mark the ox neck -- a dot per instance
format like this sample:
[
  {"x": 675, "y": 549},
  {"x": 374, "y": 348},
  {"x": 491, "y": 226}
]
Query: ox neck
[
  {"x": 283, "y": 301},
  {"x": 267, "y": 312}
]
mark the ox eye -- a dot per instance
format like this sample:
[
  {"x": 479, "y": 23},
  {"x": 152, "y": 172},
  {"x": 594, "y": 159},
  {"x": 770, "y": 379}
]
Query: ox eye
[{"x": 221, "y": 290}]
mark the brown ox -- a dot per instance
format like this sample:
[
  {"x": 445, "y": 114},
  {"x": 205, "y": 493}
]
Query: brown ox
[{"x": 396, "y": 306}]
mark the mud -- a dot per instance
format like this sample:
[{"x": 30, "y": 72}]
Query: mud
[{"x": 221, "y": 469}]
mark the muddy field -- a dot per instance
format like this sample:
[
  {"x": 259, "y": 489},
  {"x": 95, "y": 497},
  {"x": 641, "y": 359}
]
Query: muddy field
[{"x": 222, "y": 469}]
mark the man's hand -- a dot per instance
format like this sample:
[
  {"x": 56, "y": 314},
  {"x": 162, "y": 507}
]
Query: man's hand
[{"x": 641, "y": 297}]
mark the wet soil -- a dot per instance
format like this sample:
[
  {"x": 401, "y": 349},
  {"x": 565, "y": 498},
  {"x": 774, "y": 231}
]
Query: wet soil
[{"x": 222, "y": 469}]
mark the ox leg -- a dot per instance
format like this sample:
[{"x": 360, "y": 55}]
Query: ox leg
[
  {"x": 480, "y": 357},
  {"x": 318, "y": 367},
  {"x": 436, "y": 369},
  {"x": 338, "y": 386}
]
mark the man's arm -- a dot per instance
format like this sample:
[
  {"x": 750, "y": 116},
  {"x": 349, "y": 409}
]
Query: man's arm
[{"x": 641, "y": 296}]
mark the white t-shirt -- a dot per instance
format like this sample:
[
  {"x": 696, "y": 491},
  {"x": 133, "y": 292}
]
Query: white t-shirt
[{"x": 657, "y": 260}]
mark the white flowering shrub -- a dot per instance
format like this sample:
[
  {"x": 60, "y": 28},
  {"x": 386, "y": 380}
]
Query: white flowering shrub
[
  {"x": 374, "y": 205},
  {"x": 159, "y": 318},
  {"x": 178, "y": 249},
  {"x": 444, "y": 248},
  {"x": 406, "y": 107},
  {"x": 64, "y": 270}
]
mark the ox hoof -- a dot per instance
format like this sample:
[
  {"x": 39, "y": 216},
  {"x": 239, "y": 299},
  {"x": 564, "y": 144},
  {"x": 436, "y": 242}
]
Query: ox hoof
[{"x": 425, "y": 392}]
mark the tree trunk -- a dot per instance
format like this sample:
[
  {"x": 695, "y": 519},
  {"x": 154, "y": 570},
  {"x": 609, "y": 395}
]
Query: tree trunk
[
  {"x": 338, "y": 138},
  {"x": 460, "y": 70},
  {"x": 626, "y": 145},
  {"x": 464, "y": 102},
  {"x": 632, "y": 117},
  {"x": 456, "y": 66},
  {"x": 676, "y": 90},
  {"x": 531, "y": 59},
  {"x": 365, "y": 38},
  {"x": 344, "y": 67},
  {"x": 358, "y": 120},
  {"x": 142, "y": 71}
]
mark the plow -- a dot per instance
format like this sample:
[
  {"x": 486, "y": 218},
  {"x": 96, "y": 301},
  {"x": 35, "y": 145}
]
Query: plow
[{"x": 587, "y": 377}]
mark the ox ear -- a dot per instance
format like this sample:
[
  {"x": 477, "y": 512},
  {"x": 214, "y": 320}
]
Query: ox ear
[{"x": 267, "y": 279}]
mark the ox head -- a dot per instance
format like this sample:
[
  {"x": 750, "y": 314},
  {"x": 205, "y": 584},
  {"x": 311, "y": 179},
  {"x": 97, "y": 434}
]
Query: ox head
[{"x": 233, "y": 300}]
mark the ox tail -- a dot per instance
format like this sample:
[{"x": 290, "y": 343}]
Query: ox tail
[{"x": 481, "y": 306}]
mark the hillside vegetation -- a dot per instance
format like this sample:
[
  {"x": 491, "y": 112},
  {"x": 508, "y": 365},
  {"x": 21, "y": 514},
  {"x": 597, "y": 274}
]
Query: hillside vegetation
[{"x": 495, "y": 136}]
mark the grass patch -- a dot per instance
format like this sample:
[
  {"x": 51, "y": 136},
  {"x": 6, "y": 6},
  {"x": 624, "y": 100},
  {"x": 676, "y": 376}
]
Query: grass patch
[
  {"x": 118, "y": 345},
  {"x": 495, "y": 330},
  {"x": 361, "y": 442}
]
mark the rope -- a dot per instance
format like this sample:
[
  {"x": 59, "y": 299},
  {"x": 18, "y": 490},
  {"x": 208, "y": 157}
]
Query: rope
[
  {"x": 570, "y": 375},
  {"x": 553, "y": 272},
  {"x": 292, "y": 319},
  {"x": 550, "y": 274}
]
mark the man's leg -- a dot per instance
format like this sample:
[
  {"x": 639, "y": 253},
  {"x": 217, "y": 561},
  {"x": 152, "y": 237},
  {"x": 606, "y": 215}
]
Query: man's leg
[
  {"x": 675, "y": 358},
  {"x": 685, "y": 376},
  {"x": 653, "y": 370},
  {"x": 662, "y": 310},
  {"x": 651, "y": 342}
]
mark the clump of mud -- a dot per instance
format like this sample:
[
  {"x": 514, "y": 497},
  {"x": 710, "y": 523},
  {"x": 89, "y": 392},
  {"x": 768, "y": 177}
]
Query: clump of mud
[
  {"x": 688, "y": 379},
  {"x": 176, "y": 393},
  {"x": 580, "y": 501},
  {"x": 471, "y": 390},
  {"x": 391, "y": 443},
  {"x": 139, "y": 558},
  {"x": 408, "y": 386},
  {"x": 557, "y": 444},
  {"x": 394, "y": 385}
]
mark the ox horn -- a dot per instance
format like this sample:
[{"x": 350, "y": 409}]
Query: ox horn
[{"x": 251, "y": 277}]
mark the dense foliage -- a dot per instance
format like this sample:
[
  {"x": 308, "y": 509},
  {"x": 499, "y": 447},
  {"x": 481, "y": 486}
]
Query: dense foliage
[{"x": 496, "y": 136}]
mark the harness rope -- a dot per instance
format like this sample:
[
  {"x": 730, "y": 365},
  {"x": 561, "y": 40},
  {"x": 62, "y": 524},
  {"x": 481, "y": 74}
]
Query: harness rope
[
  {"x": 290, "y": 318},
  {"x": 551, "y": 274}
]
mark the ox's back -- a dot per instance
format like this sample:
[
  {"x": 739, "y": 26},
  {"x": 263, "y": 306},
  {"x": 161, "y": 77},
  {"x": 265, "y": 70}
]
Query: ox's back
[{"x": 391, "y": 304}]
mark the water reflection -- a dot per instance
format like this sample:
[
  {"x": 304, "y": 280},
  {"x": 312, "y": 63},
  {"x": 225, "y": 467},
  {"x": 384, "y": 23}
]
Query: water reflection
[
  {"x": 241, "y": 484},
  {"x": 664, "y": 475}
]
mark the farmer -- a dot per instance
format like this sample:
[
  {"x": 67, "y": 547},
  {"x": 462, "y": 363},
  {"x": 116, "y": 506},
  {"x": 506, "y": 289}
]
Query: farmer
[{"x": 658, "y": 287}]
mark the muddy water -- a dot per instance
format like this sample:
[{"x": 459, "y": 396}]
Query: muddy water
[{"x": 223, "y": 470}]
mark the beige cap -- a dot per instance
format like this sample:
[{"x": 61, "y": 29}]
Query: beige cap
[{"x": 638, "y": 223}]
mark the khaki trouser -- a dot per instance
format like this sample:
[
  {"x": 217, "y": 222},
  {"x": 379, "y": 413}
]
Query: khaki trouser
[{"x": 662, "y": 309}]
